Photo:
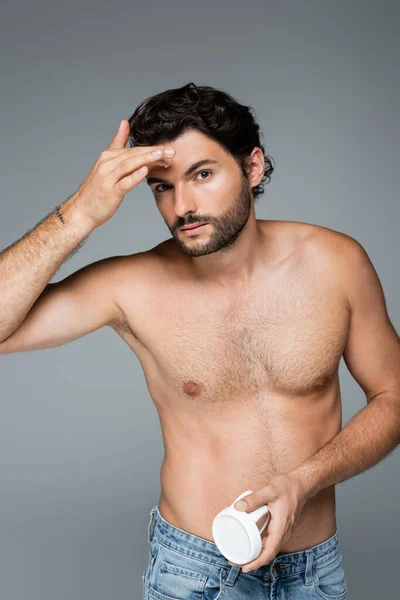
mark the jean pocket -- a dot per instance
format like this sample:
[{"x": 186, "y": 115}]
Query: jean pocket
[
  {"x": 176, "y": 576},
  {"x": 178, "y": 582},
  {"x": 329, "y": 578}
]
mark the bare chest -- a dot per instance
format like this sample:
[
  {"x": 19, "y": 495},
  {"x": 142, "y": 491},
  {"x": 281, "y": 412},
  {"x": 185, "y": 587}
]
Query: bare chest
[{"x": 285, "y": 336}]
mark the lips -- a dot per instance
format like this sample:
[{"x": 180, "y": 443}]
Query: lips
[{"x": 193, "y": 226}]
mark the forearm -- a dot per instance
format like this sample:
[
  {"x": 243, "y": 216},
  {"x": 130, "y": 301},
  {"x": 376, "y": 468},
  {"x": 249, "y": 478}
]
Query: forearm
[
  {"x": 27, "y": 265},
  {"x": 365, "y": 440}
]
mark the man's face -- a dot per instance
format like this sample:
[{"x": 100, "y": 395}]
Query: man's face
[{"x": 215, "y": 193}]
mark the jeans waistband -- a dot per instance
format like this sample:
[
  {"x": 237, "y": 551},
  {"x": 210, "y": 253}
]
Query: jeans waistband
[{"x": 203, "y": 549}]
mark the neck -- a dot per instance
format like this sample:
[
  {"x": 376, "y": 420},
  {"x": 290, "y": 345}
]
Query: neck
[{"x": 234, "y": 265}]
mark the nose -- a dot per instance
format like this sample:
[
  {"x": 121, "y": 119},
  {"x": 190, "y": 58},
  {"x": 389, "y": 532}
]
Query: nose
[{"x": 184, "y": 202}]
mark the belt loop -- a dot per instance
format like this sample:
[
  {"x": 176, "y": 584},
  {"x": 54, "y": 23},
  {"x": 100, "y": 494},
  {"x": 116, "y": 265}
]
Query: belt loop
[
  {"x": 309, "y": 567},
  {"x": 232, "y": 575},
  {"x": 150, "y": 527}
]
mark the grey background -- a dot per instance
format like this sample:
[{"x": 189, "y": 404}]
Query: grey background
[{"x": 80, "y": 442}]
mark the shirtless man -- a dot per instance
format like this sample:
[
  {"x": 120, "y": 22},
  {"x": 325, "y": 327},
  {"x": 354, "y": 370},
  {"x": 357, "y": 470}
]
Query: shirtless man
[{"x": 239, "y": 327}]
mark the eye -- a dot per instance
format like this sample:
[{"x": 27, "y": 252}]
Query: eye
[
  {"x": 157, "y": 188},
  {"x": 204, "y": 171}
]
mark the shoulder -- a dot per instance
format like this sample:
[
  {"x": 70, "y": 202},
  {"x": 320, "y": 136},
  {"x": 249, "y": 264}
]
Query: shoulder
[
  {"x": 318, "y": 241},
  {"x": 331, "y": 244},
  {"x": 138, "y": 276},
  {"x": 142, "y": 270},
  {"x": 341, "y": 251},
  {"x": 341, "y": 258},
  {"x": 143, "y": 261},
  {"x": 334, "y": 257}
]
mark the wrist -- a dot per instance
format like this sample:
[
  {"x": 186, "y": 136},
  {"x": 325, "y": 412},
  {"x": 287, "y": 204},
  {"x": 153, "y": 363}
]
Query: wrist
[
  {"x": 302, "y": 478},
  {"x": 72, "y": 216}
]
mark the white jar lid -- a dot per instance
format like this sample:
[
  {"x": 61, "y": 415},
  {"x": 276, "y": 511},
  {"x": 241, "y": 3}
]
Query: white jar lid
[{"x": 236, "y": 536}]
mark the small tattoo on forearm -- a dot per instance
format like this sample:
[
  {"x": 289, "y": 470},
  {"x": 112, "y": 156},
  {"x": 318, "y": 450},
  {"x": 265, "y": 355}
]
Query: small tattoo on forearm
[{"x": 59, "y": 215}]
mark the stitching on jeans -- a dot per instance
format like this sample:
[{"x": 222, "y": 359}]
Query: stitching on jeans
[
  {"x": 222, "y": 576},
  {"x": 171, "y": 568},
  {"x": 195, "y": 557},
  {"x": 326, "y": 596},
  {"x": 316, "y": 581},
  {"x": 328, "y": 561}
]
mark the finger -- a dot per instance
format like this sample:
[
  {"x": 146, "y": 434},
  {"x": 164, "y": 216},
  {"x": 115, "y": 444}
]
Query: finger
[
  {"x": 260, "y": 561},
  {"x": 134, "y": 151},
  {"x": 127, "y": 183},
  {"x": 271, "y": 545},
  {"x": 132, "y": 163},
  {"x": 255, "y": 499},
  {"x": 121, "y": 137}
]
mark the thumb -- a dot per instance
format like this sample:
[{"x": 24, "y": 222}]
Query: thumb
[
  {"x": 250, "y": 501},
  {"x": 121, "y": 137}
]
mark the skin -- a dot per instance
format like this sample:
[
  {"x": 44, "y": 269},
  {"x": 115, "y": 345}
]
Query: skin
[
  {"x": 240, "y": 342},
  {"x": 239, "y": 330}
]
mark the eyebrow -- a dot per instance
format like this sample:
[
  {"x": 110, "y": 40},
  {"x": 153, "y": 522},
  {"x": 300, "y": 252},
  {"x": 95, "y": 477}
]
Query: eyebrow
[{"x": 188, "y": 171}]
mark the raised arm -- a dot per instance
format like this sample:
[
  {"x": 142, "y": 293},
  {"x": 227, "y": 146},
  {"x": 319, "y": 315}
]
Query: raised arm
[
  {"x": 36, "y": 313},
  {"x": 27, "y": 266},
  {"x": 69, "y": 309}
]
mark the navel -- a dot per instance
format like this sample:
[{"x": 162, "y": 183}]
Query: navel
[{"x": 192, "y": 388}]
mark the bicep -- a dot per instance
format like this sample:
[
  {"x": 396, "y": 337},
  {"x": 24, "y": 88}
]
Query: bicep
[
  {"x": 68, "y": 309},
  {"x": 372, "y": 351}
]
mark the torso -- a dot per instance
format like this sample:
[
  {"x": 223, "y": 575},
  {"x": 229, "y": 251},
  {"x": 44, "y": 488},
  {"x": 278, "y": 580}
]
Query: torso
[{"x": 245, "y": 384}]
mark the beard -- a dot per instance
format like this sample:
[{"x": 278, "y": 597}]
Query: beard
[{"x": 226, "y": 228}]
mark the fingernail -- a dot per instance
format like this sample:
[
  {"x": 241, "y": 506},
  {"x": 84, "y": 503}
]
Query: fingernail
[
  {"x": 241, "y": 505},
  {"x": 169, "y": 151},
  {"x": 157, "y": 153}
]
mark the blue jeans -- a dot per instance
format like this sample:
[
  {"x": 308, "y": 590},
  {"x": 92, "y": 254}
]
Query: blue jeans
[{"x": 184, "y": 566}]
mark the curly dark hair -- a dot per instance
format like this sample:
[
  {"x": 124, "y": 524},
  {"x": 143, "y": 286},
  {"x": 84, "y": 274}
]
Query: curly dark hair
[{"x": 165, "y": 116}]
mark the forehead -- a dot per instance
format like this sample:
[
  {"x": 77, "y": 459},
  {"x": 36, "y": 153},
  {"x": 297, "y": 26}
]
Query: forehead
[
  {"x": 193, "y": 141},
  {"x": 189, "y": 148}
]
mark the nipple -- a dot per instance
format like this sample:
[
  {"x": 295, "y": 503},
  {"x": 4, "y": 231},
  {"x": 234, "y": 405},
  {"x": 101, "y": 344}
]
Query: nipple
[
  {"x": 320, "y": 382},
  {"x": 192, "y": 388}
]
